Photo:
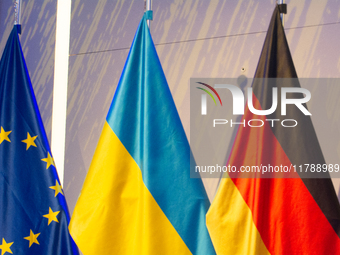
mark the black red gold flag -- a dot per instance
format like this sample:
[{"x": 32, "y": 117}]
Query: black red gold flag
[{"x": 297, "y": 215}]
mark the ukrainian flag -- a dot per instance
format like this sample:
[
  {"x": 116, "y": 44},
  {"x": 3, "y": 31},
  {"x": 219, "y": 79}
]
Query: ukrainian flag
[{"x": 138, "y": 197}]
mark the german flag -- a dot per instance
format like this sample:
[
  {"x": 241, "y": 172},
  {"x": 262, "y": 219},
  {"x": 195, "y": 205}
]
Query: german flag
[{"x": 275, "y": 215}]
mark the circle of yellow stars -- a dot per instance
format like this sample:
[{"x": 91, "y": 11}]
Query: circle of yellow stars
[{"x": 51, "y": 216}]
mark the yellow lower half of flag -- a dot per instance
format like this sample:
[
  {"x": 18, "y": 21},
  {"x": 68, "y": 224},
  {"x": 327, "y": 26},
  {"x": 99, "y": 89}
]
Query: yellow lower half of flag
[
  {"x": 230, "y": 223},
  {"x": 116, "y": 213}
]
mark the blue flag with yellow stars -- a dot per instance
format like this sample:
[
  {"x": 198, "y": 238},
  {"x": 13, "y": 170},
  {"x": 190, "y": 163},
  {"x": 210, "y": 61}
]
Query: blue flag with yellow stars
[{"x": 33, "y": 211}]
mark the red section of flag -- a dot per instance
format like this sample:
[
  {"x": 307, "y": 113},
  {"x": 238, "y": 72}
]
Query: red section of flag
[{"x": 285, "y": 213}]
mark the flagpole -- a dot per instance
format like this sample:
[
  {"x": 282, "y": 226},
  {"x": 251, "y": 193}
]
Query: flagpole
[
  {"x": 148, "y": 8},
  {"x": 17, "y": 5},
  {"x": 281, "y": 2},
  {"x": 60, "y": 85}
]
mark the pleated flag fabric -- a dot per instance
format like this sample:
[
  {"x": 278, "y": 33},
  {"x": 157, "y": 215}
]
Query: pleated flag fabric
[
  {"x": 34, "y": 215},
  {"x": 275, "y": 216},
  {"x": 138, "y": 197}
]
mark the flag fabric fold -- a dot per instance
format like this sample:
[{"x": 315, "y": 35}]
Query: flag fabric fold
[
  {"x": 34, "y": 215},
  {"x": 138, "y": 197},
  {"x": 275, "y": 216}
]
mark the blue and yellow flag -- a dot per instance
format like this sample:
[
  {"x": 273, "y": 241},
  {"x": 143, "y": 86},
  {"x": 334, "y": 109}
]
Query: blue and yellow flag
[
  {"x": 138, "y": 197},
  {"x": 33, "y": 213}
]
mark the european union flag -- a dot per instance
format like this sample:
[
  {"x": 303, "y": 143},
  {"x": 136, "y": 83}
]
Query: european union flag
[{"x": 33, "y": 211}]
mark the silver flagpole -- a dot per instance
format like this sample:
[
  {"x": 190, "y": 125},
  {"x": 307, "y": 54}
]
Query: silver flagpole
[
  {"x": 17, "y": 8},
  {"x": 148, "y": 8},
  {"x": 282, "y": 15}
]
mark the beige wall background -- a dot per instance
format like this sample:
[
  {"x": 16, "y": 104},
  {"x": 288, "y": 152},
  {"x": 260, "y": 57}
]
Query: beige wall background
[{"x": 194, "y": 38}]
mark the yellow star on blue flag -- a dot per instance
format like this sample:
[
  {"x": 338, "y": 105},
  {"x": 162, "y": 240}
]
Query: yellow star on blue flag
[
  {"x": 5, "y": 247},
  {"x": 30, "y": 141},
  {"x": 32, "y": 238},
  {"x": 4, "y": 135},
  {"x": 49, "y": 160}
]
